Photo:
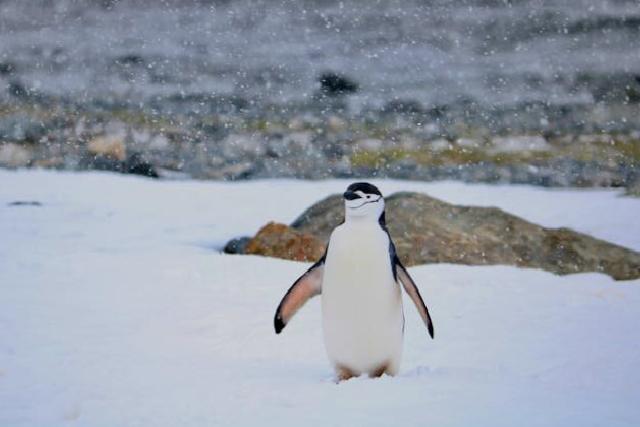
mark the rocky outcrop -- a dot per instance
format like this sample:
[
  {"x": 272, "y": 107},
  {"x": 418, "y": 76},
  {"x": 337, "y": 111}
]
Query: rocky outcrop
[
  {"x": 281, "y": 241},
  {"x": 427, "y": 230}
]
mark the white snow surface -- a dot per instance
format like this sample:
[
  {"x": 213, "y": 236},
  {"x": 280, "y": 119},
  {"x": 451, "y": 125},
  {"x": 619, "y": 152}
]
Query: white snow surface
[{"x": 117, "y": 309}]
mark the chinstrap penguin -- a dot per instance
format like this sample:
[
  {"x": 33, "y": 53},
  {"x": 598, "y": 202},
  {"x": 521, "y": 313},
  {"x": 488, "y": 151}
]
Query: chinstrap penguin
[{"x": 359, "y": 278}]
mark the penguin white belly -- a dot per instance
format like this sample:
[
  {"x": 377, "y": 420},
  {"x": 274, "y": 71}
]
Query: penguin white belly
[{"x": 361, "y": 303}]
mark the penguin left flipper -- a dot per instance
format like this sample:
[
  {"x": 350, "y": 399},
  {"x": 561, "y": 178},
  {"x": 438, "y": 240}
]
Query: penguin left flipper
[
  {"x": 307, "y": 286},
  {"x": 412, "y": 290}
]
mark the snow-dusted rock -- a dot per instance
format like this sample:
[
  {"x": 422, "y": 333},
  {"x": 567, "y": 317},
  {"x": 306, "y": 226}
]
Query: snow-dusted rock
[
  {"x": 14, "y": 156},
  {"x": 468, "y": 143},
  {"x": 243, "y": 146},
  {"x": 439, "y": 144},
  {"x": 513, "y": 144},
  {"x": 111, "y": 146},
  {"x": 370, "y": 144},
  {"x": 336, "y": 124}
]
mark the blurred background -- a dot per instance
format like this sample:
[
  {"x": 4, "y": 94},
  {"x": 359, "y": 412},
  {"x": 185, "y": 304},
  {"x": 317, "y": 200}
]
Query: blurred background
[{"x": 538, "y": 92}]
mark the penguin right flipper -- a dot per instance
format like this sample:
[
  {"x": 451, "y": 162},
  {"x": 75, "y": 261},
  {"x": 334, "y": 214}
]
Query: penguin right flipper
[
  {"x": 307, "y": 286},
  {"x": 412, "y": 290}
]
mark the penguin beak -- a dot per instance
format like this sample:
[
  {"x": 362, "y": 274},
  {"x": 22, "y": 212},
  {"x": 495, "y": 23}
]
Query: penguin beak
[{"x": 350, "y": 195}]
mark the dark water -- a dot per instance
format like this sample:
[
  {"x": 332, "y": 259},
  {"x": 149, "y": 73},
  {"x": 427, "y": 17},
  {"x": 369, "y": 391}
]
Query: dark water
[{"x": 493, "y": 53}]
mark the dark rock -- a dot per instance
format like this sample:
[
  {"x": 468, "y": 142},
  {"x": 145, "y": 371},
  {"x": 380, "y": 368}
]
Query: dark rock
[
  {"x": 334, "y": 84},
  {"x": 609, "y": 87},
  {"x": 129, "y": 60},
  {"x": 18, "y": 90},
  {"x": 25, "y": 203},
  {"x": 237, "y": 246},
  {"x": 7, "y": 68},
  {"x": 603, "y": 24},
  {"x": 403, "y": 106},
  {"x": 427, "y": 230},
  {"x": 137, "y": 165}
]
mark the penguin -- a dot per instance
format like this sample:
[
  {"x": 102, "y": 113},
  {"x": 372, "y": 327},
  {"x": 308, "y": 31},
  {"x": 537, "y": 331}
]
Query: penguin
[{"x": 359, "y": 279}]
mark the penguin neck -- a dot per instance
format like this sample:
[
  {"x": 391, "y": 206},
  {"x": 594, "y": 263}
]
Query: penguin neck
[
  {"x": 366, "y": 219},
  {"x": 360, "y": 220}
]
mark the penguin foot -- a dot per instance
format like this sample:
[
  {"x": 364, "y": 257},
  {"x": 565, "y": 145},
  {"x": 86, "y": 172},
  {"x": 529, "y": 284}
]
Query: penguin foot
[
  {"x": 343, "y": 373},
  {"x": 380, "y": 371}
]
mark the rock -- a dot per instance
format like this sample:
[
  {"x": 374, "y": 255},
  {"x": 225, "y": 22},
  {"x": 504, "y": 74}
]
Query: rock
[
  {"x": 296, "y": 124},
  {"x": 159, "y": 143},
  {"x": 236, "y": 246},
  {"x": 112, "y": 147},
  {"x": 403, "y": 106},
  {"x": 369, "y": 144},
  {"x": 427, "y": 230},
  {"x": 136, "y": 164},
  {"x": 235, "y": 171},
  {"x": 130, "y": 60},
  {"x": 107, "y": 155},
  {"x": 18, "y": 90},
  {"x": 281, "y": 241},
  {"x": 439, "y": 144},
  {"x": 633, "y": 189},
  {"x": 336, "y": 124},
  {"x": 140, "y": 137},
  {"x": 409, "y": 143},
  {"x": 243, "y": 146},
  {"x": 14, "y": 156},
  {"x": 293, "y": 144},
  {"x": 22, "y": 127},
  {"x": 468, "y": 143},
  {"x": 321, "y": 218},
  {"x": 7, "y": 68},
  {"x": 334, "y": 84},
  {"x": 25, "y": 203},
  {"x": 595, "y": 139},
  {"x": 513, "y": 144}
]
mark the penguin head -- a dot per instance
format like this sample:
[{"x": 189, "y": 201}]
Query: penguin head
[{"x": 363, "y": 201}]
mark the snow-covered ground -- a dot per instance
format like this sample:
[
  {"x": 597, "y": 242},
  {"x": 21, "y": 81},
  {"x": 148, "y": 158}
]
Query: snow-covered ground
[{"x": 116, "y": 309}]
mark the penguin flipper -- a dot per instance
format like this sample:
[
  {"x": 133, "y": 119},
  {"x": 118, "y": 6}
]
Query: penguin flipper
[
  {"x": 412, "y": 290},
  {"x": 307, "y": 286}
]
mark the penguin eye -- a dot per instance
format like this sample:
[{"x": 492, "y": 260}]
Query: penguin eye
[{"x": 368, "y": 196}]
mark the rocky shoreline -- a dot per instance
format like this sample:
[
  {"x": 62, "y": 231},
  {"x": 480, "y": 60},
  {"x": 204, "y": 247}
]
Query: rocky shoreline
[
  {"x": 491, "y": 92},
  {"x": 310, "y": 143}
]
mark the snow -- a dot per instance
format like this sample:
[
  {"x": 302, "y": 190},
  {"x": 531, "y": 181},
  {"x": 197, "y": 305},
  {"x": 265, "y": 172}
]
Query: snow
[{"x": 116, "y": 309}]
